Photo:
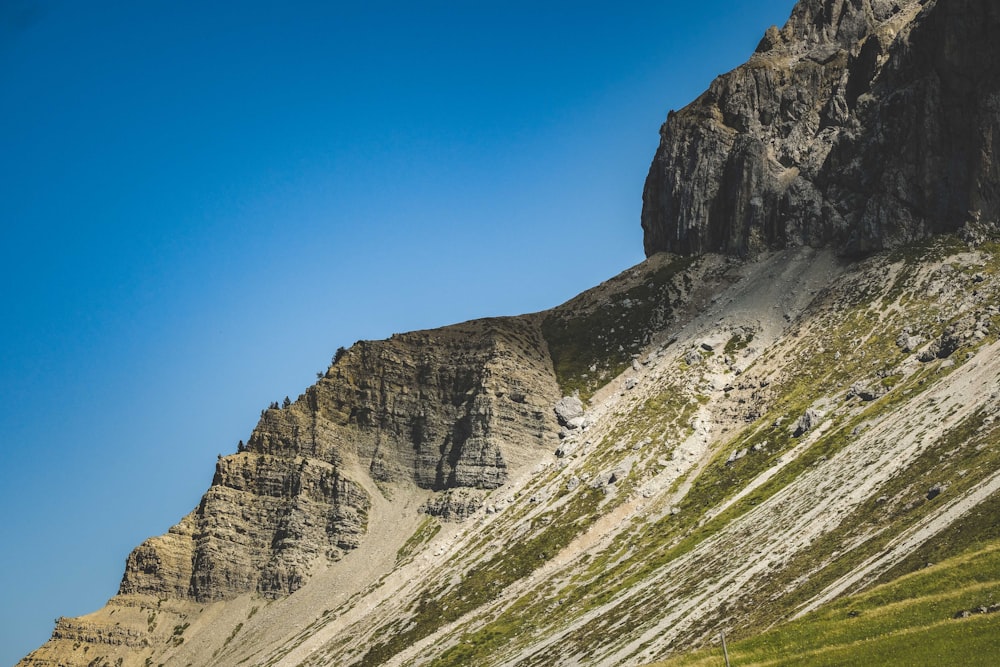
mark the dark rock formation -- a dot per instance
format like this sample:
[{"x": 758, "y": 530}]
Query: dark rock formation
[
  {"x": 861, "y": 124},
  {"x": 454, "y": 504}
]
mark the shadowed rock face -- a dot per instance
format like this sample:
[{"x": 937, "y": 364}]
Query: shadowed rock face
[
  {"x": 450, "y": 408},
  {"x": 862, "y": 124}
]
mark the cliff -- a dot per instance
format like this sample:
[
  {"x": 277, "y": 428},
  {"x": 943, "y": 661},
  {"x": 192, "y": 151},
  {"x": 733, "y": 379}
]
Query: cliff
[
  {"x": 456, "y": 407},
  {"x": 862, "y": 125},
  {"x": 757, "y": 430}
]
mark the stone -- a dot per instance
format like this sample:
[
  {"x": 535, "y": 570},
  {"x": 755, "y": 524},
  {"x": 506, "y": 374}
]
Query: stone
[
  {"x": 631, "y": 383},
  {"x": 736, "y": 456},
  {"x": 936, "y": 491},
  {"x": 865, "y": 391},
  {"x": 908, "y": 342},
  {"x": 808, "y": 421},
  {"x": 930, "y": 353},
  {"x": 454, "y": 504},
  {"x": 642, "y": 443},
  {"x": 568, "y": 408},
  {"x": 692, "y": 358}
]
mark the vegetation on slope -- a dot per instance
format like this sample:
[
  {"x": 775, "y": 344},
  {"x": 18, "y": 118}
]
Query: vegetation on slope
[
  {"x": 848, "y": 338},
  {"x": 945, "y": 614},
  {"x": 592, "y": 345}
]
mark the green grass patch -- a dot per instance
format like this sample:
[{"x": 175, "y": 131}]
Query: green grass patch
[
  {"x": 425, "y": 532},
  {"x": 908, "y": 622}
]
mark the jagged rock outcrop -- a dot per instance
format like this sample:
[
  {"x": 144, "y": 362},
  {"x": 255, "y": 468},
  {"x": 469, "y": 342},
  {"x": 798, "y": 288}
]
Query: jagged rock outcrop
[
  {"x": 444, "y": 409},
  {"x": 260, "y": 528},
  {"x": 861, "y": 124},
  {"x": 454, "y": 504}
]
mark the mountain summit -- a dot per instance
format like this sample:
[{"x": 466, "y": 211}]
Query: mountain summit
[
  {"x": 768, "y": 428},
  {"x": 862, "y": 124}
]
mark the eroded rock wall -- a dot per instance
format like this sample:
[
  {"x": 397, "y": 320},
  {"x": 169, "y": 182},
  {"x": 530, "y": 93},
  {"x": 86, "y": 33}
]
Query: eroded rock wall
[
  {"x": 450, "y": 408},
  {"x": 861, "y": 124}
]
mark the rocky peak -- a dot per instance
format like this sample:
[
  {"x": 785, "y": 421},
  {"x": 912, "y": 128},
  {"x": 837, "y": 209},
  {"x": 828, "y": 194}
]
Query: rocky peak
[
  {"x": 790, "y": 429},
  {"x": 842, "y": 22},
  {"x": 862, "y": 124}
]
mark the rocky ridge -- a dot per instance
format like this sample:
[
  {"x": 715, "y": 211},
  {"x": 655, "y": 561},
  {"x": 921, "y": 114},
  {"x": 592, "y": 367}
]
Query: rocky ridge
[
  {"x": 702, "y": 442},
  {"x": 440, "y": 410},
  {"x": 861, "y": 124},
  {"x": 801, "y": 428}
]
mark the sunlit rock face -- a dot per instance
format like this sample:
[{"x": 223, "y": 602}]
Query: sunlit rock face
[{"x": 450, "y": 408}]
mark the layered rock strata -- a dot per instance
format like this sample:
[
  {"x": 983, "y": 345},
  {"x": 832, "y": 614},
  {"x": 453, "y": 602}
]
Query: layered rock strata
[
  {"x": 445, "y": 409},
  {"x": 861, "y": 124}
]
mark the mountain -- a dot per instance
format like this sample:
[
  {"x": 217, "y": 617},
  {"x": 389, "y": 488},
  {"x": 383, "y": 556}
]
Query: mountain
[
  {"x": 789, "y": 406},
  {"x": 861, "y": 125}
]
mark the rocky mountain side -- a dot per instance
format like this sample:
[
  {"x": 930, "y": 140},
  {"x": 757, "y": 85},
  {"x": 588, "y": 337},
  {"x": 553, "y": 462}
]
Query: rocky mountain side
[
  {"x": 799, "y": 428},
  {"x": 711, "y": 440},
  {"x": 440, "y": 410},
  {"x": 861, "y": 124}
]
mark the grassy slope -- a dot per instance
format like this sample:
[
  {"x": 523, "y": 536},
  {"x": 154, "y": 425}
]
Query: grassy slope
[
  {"x": 839, "y": 365},
  {"x": 910, "y": 621}
]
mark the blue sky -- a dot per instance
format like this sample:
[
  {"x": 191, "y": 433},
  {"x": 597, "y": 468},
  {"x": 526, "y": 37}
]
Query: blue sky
[{"x": 200, "y": 201}]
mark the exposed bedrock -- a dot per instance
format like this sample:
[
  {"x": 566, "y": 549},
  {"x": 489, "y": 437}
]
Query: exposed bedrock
[
  {"x": 450, "y": 408},
  {"x": 861, "y": 124}
]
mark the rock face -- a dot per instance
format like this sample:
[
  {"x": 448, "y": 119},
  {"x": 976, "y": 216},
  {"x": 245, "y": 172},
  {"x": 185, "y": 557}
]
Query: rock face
[
  {"x": 259, "y": 528},
  {"x": 444, "y": 409},
  {"x": 861, "y": 124},
  {"x": 706, "y": 495}
]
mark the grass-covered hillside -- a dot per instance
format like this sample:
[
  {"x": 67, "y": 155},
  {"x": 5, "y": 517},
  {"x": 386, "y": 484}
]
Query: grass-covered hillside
[{"x": 944, "y": 614}]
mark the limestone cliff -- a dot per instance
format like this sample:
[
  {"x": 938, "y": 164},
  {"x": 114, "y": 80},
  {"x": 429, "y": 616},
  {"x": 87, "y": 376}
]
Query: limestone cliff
[
  {"x": 455, "y": 407},
  {"x": 861, "y": 124}
]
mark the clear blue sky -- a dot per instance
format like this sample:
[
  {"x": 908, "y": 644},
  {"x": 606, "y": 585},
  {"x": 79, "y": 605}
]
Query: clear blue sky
[{"x": 200, "y": 201}]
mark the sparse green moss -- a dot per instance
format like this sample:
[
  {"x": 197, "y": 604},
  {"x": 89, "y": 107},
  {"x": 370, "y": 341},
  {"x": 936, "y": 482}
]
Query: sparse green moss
[
  {"x": 738, "y": 342},
  {"x": 425, "y": 532},
  {"x": 891, "y": 381},
  {"x": 590, "y": 349}
]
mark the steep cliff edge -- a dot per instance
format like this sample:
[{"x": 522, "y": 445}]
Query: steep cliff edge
[
  {"x": 862, "y": 124},
  {"x": 455, "y": 407}
]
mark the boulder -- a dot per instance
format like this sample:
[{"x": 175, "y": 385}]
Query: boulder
[
  {"x": 568, "y": 408},
  {"x": 808, "y": 421}
]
